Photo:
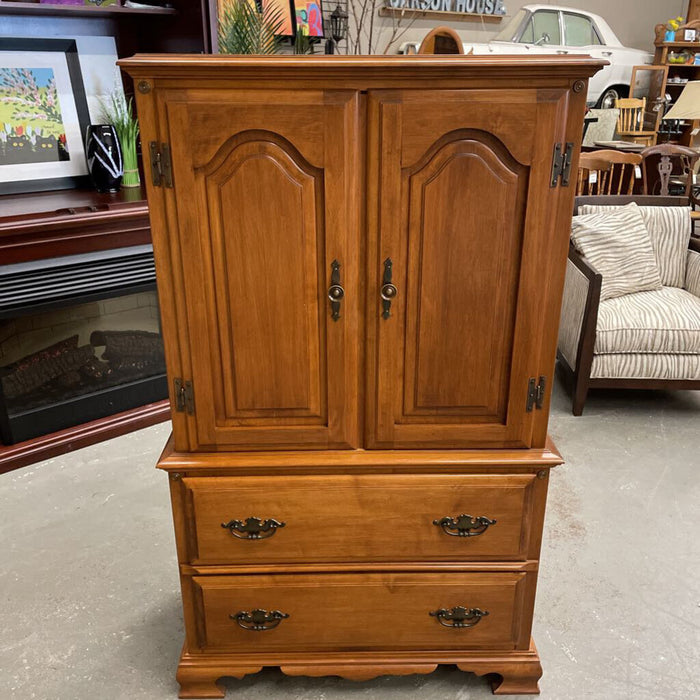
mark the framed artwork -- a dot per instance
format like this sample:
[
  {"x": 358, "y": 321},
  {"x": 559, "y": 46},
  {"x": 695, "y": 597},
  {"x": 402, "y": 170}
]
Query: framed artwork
[
  {"x": 285, "y": 8},
  {"x": 97, "y": 3},
  {"x": 282, "y": 6},
  {"x": 43, "y": 115},
  {"x": 309, "y": 17}
]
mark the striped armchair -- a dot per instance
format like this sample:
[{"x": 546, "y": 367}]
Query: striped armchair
[{"x": 647, "y": 339}]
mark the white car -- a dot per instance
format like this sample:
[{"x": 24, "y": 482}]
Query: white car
[{"x": 560, "y": 30}]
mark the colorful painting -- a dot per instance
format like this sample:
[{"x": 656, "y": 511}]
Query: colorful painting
[
  {"x": 309, "y": 17},
  {"x": 285, "y": 9},
  {"x": 97, "y": 3},
  {"x": 31, "y": 125}
]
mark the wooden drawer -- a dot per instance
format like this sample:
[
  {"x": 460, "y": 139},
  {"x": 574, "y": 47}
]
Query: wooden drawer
[
  {"x": 359, "y": 518},
  {"x": 359, "y": 611}
]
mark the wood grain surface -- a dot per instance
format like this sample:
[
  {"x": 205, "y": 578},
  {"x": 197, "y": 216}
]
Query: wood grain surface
[
  {"x": 364, "y": 518},
  {"x": 395, "y": 611}
]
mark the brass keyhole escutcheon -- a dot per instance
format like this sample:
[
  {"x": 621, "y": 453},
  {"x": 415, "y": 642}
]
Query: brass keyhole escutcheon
[
  {"x": 336, "y": 292},
  {"x": 389, "y": 291}
]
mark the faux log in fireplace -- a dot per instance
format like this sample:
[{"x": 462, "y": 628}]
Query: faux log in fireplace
[{"x": 79, "y": 339}]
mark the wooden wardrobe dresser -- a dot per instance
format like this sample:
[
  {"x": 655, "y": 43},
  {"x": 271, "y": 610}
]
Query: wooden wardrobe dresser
[{"x": 360, "y": 264}]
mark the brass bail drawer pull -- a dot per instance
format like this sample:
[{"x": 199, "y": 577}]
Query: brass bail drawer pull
[
  {"x": 388, "y": 290},
  {"x": 253, "y": 528},
  {"x": 464, "y": 525},
  {"x": 335, "y": 291},
  {"x": 259, "y": 620},
  {"x": 459, "y": 617}
]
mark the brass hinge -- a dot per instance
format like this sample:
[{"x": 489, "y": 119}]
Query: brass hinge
[
  {"x": 535, "y": 393},
  {"x": 561, "y": 164},
  {"x": 184, "y": 396},
  {"x": 161, "y": 165}
]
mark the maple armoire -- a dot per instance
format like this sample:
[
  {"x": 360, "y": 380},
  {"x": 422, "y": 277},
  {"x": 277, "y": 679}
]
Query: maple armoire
[{"x": 360, "y": 263}]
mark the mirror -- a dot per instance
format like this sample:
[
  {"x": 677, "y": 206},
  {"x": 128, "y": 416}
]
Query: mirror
[{"x": 649, "y": 82}]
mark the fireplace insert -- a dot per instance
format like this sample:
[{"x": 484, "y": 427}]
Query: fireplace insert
[{"x": 79, "y": 340}]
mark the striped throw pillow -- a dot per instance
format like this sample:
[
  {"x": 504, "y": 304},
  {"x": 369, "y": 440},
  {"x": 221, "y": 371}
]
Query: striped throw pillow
[
  {"x": 669, "y": 231},
  {"x": 618, "y": 246}
]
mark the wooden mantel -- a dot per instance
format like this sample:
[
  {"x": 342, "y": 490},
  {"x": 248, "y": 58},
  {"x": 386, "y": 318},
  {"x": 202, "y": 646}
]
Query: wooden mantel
[{"x": 66, "y": 222}]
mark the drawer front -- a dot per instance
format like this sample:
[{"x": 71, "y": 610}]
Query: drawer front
[
  {"x": 336, "y": 612},
  {"x": 361, "y": 518}
]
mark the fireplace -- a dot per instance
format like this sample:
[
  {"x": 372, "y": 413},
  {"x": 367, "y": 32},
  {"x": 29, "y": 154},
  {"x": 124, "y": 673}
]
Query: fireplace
[{"x": 79, "y": 339}]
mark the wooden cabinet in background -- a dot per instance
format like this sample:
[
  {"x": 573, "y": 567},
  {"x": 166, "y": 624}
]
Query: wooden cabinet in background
[
  {"x": 360, "y": 264},
  {"x": 677, "y": 76},
  {"x": 58, "y": 223}
]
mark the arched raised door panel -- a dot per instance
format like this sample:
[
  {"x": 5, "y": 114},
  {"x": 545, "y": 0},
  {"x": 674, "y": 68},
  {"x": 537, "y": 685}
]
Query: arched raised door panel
[
  {"x": 264, "y": 208},
  {"x": 462, "y": 285},
  {"x": 449, "y": 366}
]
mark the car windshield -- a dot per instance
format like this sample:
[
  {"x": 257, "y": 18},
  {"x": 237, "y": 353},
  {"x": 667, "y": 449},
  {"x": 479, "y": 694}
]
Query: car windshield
[{"x": 509, "y": 31}]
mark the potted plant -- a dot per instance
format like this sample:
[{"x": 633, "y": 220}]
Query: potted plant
[
  {"x": 672, "y": 27},
  {"x": 245, "y": 29},
  {"x": 119, "y": 112}
]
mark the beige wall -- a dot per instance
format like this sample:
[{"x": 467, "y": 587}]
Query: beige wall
[{"x": 632, "y": 20}]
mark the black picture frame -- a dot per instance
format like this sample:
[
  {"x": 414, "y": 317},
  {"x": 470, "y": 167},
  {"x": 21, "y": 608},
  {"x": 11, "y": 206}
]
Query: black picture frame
[{"x": 69, "y": 48}]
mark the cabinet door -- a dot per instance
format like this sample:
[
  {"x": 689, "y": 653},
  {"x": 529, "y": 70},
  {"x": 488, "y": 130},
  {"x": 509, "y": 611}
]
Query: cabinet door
[
  {"x": 265, "y": 200},
  {"x": 460, "y": 202}
]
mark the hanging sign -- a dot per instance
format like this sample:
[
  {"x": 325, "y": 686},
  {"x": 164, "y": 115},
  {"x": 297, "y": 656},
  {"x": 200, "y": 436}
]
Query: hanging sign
[{"x": 466, "y": 7}]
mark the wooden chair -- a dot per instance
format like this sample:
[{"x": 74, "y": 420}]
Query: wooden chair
[
  {"x": 441, "y": 40},
  {"x": 630, "y": 122},
  {"x": 607, "y": 173},
  {"x": 669, "y": 166}
]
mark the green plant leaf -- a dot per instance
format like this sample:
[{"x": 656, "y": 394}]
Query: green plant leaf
[{"x": 243, "y": 29}]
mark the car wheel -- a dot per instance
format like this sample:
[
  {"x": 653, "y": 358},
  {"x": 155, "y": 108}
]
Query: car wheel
[{"x": 608, "y": 98}]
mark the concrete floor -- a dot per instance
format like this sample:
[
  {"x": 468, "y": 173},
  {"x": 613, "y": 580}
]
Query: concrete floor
[{"x": 89, "y": 599}]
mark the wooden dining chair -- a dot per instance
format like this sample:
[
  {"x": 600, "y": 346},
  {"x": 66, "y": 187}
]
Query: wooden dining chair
[
  {"x": 630, "y": 122},
  {"x": 668, "y": 166},
  {"x": 607, "y": 173},
  {"x": 441, "y": 40}
]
